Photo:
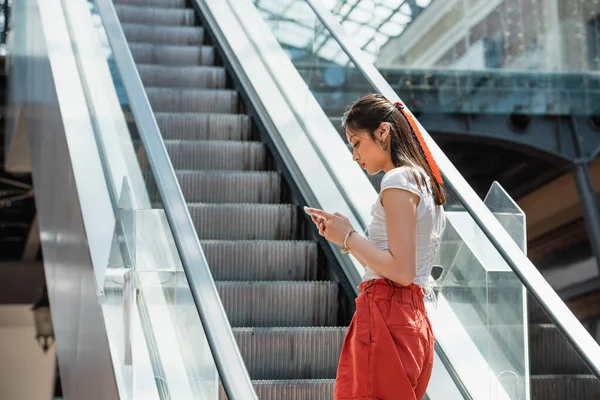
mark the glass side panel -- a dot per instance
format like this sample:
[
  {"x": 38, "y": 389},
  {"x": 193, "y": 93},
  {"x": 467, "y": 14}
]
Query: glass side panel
[
  {"x": 151, "y": 317},
  {"x": 333, "y": 79},
  {"x": 479, "y": 56},
  {"x": 508, "y": 213},
  {"x": 479, "y": 319}
]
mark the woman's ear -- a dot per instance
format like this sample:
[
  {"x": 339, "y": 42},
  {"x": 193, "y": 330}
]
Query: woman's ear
[{"x": 384, "y": 131}]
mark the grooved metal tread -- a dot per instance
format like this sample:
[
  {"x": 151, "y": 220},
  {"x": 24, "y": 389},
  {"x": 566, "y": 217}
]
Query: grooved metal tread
[
  {"x": 245, "y": 221},
  {"x": 202, "y": 77},
  {"x": 153, "y": 3},
  {"x": 163, "y": 35},
  {"x": 217, "y": 155},
  {"x": 286, "y": 353},
  {"x": 172, "y": 55},
  {"x": 264, "y": 260},
  {"x": 199, "y": 126},
  {"x": 280, "y": 303},
  {"x": 193, "y": 100},
  {"x": 312, "y": 389},
  {"x": 155, "y": 15},
  {"x": 230, "y": 186}
]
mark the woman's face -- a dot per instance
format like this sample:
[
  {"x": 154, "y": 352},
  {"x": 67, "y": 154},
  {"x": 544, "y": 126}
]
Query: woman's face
[{"x": 368, "y": 152}]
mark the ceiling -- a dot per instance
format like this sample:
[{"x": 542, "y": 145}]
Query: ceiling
[{"x": 371, "y": 23}]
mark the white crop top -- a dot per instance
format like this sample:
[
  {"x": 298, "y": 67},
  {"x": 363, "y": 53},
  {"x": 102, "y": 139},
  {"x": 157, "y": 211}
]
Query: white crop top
[{"x": 431, "y": 222}]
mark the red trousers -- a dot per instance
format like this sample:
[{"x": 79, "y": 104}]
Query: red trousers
[{"x": 388, "y": 351}]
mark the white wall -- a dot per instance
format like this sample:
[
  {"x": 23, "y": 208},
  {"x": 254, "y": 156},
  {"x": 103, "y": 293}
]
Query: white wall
[{"x": 26, "y": 373}]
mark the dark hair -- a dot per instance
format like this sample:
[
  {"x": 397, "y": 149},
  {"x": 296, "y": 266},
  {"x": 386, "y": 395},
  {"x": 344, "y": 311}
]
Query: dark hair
[{"x": 368, "y": 112}]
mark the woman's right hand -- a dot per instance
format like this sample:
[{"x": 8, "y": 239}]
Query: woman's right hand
[{"x": 319, "y": 223}]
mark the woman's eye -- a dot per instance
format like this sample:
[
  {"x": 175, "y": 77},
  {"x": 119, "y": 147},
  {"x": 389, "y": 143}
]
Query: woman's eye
[{"x": 355, "y": 145}]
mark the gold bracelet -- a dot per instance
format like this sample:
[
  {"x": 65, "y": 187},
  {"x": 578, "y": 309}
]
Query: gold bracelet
[{"x": 345, "y": 249}]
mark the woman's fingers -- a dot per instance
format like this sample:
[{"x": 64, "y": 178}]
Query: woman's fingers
[
  {"x": 319, "y": 213},
  {"x": 322, "y": 228}
]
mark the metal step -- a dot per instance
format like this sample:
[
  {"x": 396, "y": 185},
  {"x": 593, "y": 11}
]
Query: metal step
[
  {"x": 245, "y": 221},
  {"x": 216, "y": 155},
  {"x": 182, "y": 77},
  {"x": 230, "y": 186},
  {"x": 551, "y": 354},
  {"x": 313, "y": 389},
  {"x": 204, "y": 126},
  {"x": 265, "y": 260},
  {"x": 291, "y": 353},
  {"x": 193, "y": 101},
  {"x": 155, "y": 15},
  {"x": 165, "y": 35},
  {"x": 535, "y": 313},
  {"x": 279, "y": 304},
  {"x": 560, "y": 387},
  {"x": 172, "y": 55},
  {"x": 154, "y": 3}
]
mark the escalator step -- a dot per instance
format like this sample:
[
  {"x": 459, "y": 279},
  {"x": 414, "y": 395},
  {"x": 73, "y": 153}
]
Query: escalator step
[
  {"x": 245, "y": 221},
  {"x": 551, "y": 354},
  {"x": 155, "y": 16},
  {"x": 313, "y": 389},
  {"x": 195, "y": 101},
  {"x": 146, "y": 53},
  {"x": 291, "y": 353},
  {"x": 261, "y": 260},
  {"x": 204, "y": 126},
  {"x": 279, "y": 304},
  {"x": 535, "y": 313},
  {"x": 230, "y": 186},
  {"x": 559, "y": 387},
  {"x": 217, "y": 155},
  {"x": 183, "y": 77},
  {"x": 166, "y": 35},
  {"x": 153, "y": 3}
]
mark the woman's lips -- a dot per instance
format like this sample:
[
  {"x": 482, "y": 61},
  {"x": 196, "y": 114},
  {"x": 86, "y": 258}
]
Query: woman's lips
[{"x": 362, "y": 165}]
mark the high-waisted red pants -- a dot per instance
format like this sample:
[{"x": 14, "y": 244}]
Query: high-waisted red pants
[{"x": 388, "y": 351}]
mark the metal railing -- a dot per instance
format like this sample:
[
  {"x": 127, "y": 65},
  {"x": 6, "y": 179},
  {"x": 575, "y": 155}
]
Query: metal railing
[
  {"x": 569, "y": 326},
  {"x": 230, "y": 365}
]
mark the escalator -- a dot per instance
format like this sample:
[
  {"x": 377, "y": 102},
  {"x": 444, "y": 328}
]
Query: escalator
[
  {"x": 210, "y": 163},
  {"x": 284, "y": 310}
]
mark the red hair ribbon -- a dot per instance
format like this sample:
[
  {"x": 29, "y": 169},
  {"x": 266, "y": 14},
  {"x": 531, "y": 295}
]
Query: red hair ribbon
[{"x": 415, "y": 128}]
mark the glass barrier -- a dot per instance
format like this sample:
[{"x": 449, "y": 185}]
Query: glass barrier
[
  {"x": 479, "y": 318},
  {"x": 333, "y": 80},
  {"x": 500, "y": 57},
  {"x": 150, "y": 315}
]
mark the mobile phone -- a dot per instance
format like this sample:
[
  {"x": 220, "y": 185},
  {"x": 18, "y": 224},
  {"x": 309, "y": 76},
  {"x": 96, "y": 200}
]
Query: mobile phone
[{"x": 311, "y": 214}]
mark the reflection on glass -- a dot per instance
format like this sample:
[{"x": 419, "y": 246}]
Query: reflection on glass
[
  {"x": 471, "y": 56},
  {"x": 331, "y": 76}
]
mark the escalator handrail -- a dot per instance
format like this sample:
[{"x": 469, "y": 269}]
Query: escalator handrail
[
  {"x": 569, "y": 326},
  {"x": 230, "y": 365}
]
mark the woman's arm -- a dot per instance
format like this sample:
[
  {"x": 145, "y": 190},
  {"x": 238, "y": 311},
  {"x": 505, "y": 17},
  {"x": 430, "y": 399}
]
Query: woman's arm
[{"x": 399, "y": 262}]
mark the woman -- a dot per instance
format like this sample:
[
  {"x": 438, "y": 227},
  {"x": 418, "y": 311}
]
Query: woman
[{"x": 388, "y": 351}]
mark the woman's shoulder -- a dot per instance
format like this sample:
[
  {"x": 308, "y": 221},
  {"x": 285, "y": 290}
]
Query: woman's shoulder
[{"x": 403, "y": 177}]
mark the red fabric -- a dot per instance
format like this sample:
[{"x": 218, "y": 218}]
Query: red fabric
[
  {"x": 428, "y": 156},
  {"x": 388, "y": 351}
]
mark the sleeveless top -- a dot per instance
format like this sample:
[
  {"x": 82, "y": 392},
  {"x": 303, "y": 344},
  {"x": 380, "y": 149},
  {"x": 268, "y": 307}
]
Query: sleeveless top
[{"x": 431, "y": 223}]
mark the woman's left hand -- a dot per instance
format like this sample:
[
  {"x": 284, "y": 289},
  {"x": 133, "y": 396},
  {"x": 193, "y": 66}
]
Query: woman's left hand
[{"x": 334, "y": 227}]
